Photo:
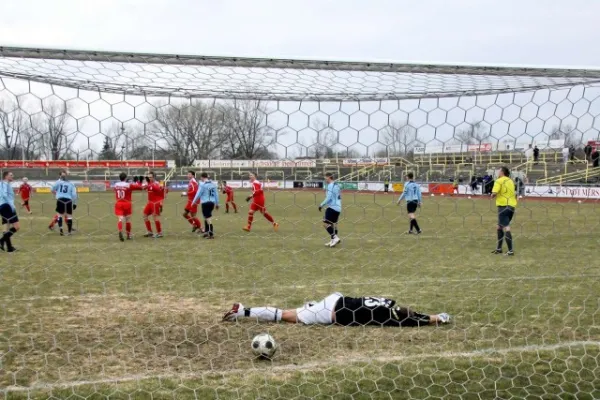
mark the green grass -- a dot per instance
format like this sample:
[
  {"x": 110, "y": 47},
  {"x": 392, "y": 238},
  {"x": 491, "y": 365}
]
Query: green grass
[{"x": 93, "y": 317}]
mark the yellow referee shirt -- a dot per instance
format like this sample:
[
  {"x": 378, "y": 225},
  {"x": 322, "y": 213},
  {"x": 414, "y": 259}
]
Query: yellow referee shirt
[{"x": 504, "y": 188}]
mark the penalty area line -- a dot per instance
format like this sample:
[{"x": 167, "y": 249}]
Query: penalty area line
[{"x": 307, "y": 367}]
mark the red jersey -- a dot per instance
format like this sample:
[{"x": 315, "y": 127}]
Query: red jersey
[
  {"x": 228, "y": 190},
  {"x": 123, "y": 191},
  {"x": 192, "y": 189},
  {"x": 156, "y": 193},
  {"x": 258, "y": 196},
  {"x": 25, "y": 190}
]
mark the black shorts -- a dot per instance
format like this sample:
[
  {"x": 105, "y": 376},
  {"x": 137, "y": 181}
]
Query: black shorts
[
  {"x": 9, "y": 216},
  {"x": 411, "y": 206},
  {"x": 207, "y": 209},
  {"x": 64, "y": 206},
  {"x": 25, "y": 202},
  {"x": 505, "y": 215},
  {"x": 331, "y": 216}
]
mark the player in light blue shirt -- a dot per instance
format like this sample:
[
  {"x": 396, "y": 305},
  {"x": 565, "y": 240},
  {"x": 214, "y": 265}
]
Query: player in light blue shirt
[
  {"x": 208, "y": 195},
  {"x": 333, "y": 209},
  {"x": 8, "y": 212},
  {"x": 412, "y": 194},
  {"x": 66, "y": 201}
]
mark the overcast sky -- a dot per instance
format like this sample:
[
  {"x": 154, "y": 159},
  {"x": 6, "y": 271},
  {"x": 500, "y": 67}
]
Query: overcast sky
[
  {"x": 507, "y": 32},
  {"x": 523, "y": 32}
]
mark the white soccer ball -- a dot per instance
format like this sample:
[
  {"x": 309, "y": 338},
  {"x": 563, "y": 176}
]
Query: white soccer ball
[
  {"x": 579, "y": 201},
  {"x": 442, "y": 194},
  {"x": 264, "y": 345},
  {"x": 432, "y": 195},
  {"x": 184, "y": 194},
  {"x": 469, "y": 197}
]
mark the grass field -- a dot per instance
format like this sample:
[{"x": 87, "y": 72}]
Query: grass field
[{"x": 90, "y": 317}]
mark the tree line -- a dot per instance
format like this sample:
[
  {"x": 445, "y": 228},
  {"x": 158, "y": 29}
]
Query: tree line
[
  {"x": 185, "y": 132},
  {"x": 197, "y": 129}
]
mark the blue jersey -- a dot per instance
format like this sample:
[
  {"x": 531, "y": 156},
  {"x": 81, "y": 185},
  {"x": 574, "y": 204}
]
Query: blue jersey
[
  {"x": 412, "y": 192},
  {"x": 7, "y": 194},
  {"x": 333, "y": 197},
  {"x": 207, "y": 193},
  {"x": 64, "y": 190}
]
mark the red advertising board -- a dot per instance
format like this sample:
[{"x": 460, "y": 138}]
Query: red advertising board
[
  {"x": 484, "y": 147},
  {"x": 441, "y": 188},
  {"x": 84, "y": 164}
]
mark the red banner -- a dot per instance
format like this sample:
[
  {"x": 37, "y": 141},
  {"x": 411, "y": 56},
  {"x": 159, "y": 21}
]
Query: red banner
[
  {"x": 441, "y": 188},
  {"x": 485, "y": 147},
  {"x": 85, "y": 164}
]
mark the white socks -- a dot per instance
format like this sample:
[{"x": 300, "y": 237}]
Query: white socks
[{"x": 264, "y": 314}]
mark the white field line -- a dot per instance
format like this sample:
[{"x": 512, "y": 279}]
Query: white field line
[
  {"x": 307, "y": 367},
  {"x": 442, "y": 281}
]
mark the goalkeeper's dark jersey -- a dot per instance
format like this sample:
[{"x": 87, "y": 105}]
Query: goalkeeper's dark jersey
[{"x": 355, "y": 311}]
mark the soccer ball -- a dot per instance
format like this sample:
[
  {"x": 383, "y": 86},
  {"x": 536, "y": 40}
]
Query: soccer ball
[
  {"x": 264, "y": 345},
  {"x": 184, "y": 194}
]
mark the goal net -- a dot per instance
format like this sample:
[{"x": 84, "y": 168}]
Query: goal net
[{"x": 87, "y": 315}]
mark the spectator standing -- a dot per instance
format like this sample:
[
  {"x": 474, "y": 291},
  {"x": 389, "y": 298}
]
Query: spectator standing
[
  {"x": 588, "y": 152},
  {"x": 565, "y": 154},
  {"x": 536, "y": 154},
  {"x": 529, "y": 154},
  {"x": 572, "y": 153},
  {"x": 596, "y": 158}
]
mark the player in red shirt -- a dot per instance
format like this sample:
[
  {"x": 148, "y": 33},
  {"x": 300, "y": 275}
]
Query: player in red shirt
[
  {"x": 25, "y": 191},
  {"x": 191, "y": 209},
  {"x": 258, "y": 204},
  {"x": 156, "y": 196},
  {"x": 229, "y": 192},
  {"x": 123, "y": 206}
]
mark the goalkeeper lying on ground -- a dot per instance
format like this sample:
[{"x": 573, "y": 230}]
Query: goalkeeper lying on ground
[{"x": 342, "y": 310}]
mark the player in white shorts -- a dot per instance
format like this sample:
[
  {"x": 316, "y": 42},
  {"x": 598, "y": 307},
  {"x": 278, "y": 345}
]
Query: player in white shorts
[{"x": 341, "y": 310}]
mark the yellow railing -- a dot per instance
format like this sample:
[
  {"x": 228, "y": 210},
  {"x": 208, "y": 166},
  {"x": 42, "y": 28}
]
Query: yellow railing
[
  {"x": 570, "y": 177},
  {"x": 507, "y": 157},
  {"x": 358, "y": 173}
]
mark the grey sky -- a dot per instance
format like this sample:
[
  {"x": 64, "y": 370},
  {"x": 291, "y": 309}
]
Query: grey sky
[{"x": 530, "y": 32}]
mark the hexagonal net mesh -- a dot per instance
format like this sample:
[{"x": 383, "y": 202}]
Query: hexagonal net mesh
[{"x": 84, "y": 313}]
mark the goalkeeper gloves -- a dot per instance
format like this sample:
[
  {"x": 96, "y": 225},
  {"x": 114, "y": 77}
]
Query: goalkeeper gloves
[{"x": 248, "y": 198}]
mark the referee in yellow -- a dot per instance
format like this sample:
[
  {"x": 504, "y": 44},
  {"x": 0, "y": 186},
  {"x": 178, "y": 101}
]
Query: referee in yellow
[{"x": 506, "y": 201}]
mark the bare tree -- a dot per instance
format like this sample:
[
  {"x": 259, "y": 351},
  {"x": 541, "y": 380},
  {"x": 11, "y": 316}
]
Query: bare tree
[
  {"x": 187, "y": 131},
  {"x": 566, "y": 132},
  {"x": 12, "y": 126},
  {"x": 475, "y": 133},
  {"x": 52, "y": 127},
  {"x": 114, "y": 143},
  {"x": 400, "y": 138},
  {"x": 326, "y": 139},
  {"x": 248, "y": 134}
]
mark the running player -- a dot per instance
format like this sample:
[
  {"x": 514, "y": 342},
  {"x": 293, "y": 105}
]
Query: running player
[
  {"x": 333, "y": 209},
  {"x": 123, "y": 206},
  {"x": 154, "y": 206},
  {"x": 191, "y": 209},
  {"x": 228, "y": 190},
  {"x": 341, "y": 310},
  {"x": 25, "y": 191},
  {"x": 208, "y": 195},
  {"x": 258, "y": 204},
  {"x": 66, "y": 198}
]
